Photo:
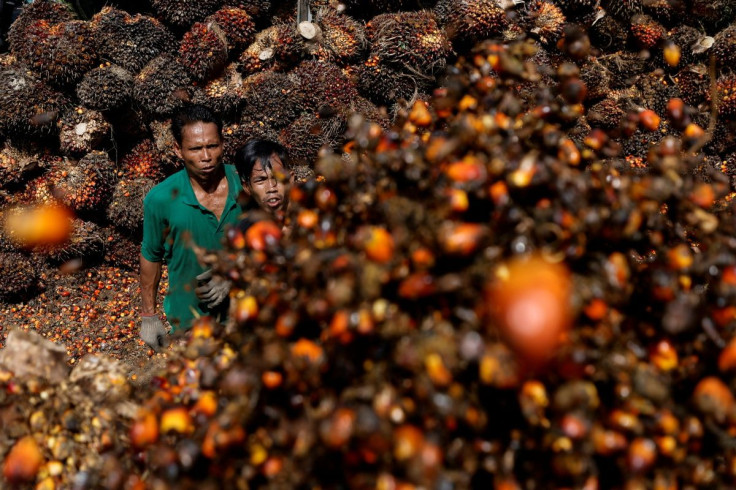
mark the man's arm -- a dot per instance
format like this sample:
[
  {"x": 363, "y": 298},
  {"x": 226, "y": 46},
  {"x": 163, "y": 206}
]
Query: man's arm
[{"x": 150, "y": 279}]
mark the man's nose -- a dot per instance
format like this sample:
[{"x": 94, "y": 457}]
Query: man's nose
[{"x": 206, "y": 154}]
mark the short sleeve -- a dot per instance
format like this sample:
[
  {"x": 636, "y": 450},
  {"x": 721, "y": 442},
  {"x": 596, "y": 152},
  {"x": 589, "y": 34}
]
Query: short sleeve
[{"x": 152, "y": 246}]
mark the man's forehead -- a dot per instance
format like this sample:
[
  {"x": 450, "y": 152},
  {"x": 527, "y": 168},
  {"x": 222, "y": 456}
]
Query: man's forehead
[{"x": 274, "y": 163}]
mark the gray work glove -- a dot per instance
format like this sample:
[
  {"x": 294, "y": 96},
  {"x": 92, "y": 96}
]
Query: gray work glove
[
  {"x": 154, "y": 333},
  {"x": 212, "y": 290}
]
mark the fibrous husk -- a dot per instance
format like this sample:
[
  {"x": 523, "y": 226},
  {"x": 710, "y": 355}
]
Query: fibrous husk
[
  {"x": 165, "y": 143},
  {"x": 105, "y": 88},
  {"x": 203, "y": 50},
  {"x": 545, "y": 21},
  {"x": 238, "y": 134},
  {"x": 48, "y": 10},
  {"x": 82, "y": 130},
  {"x": 411, "y": 40},
  {"x": 257, "y": 9},
  {"x": 184, "y": 13},
  {"x": 622, "y": 9},
  {"x": 131, "y": 41},
  {"x": 272, "y": 98},
  {"x": 28, "y": 107},
  {"x": 126, "y": 206},
  {"x": 162, "y": 86},
  {"x": 385, "y": 84},
  {"x": 322, "y": 84},
  {"x": 223, "y": 94},
  {"x": 20, "y": 276},
  {"x": 305, "y": 137},
  {"x": 470, "y": 21},
  {"x": 60, "y": 53},
  {"x": 342, "y": 36},
  {"x": 16, "y": 165}
]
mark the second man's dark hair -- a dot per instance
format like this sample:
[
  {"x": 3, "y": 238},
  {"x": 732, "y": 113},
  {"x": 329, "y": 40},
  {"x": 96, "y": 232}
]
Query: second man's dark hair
[
  {"x": 193, "y": 113},
  {"x": 258, "y": 150}
]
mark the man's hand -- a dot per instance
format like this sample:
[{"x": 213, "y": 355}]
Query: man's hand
[
  {"x": 154, "y": 333},
  {"x": 213, "y": 289}
]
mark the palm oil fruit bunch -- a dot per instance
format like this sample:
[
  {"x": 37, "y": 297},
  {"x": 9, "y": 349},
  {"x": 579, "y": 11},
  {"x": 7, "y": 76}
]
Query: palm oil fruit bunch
[
  {"x": 162, "y": 86},
  {"x": 203, "y": 50},
  {"x": 183, "y": 13},
  {"x": 105, "y": 88}
]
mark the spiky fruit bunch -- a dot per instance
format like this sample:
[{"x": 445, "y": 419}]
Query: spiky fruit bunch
[
  {"x": 48, "y": 10},
  {"x": 223, "y": 94},
  {"x": 203, "y": 50},
  {"x": 20, "y": 276},
  {"x": 256, "y": 8},
  {"x": 131, "y": 41},
  {"x": 121, "y": 250},
  {"x": 384, "y": 84},
  {"x": 656, "y": 90},
  {"x": 413, "y": 40},
  {"x": 624, "y": 67},
  {"x": 693, "y": 81},
  {"x": 322, "y": 84},
  {"x": 126, "y": 206},
  {"x": 368, "y": 110},
  {"x": 305, "y": 137},
  {"x": 85, "y": 243},
  {"x": 272, "y": 98},
  {"x": 275, "y": 48},
  {"x": 105, "y": 88},
  {"x": 724, "y": 46},
  {"x": 16, "y": 165},
  {"x": 162, "y": 86},
  {"x": 606, "y": 114},
  {"x": 665, "y": 10},
  {"x": 60, "y": 53},
  {"x": 367, "y": 8},
  {"x": 596, "y": 78},
  {"x": 184, "y": 13},
  {"x": 143, "y": 162},
  {"x": 470, "y": 21},
  {"x": 164, "y": 143},
  {"x": 609, "y": 34},
  {"x": 82, "y": 130},
  {"x": 238, "y": 134},
  {"x": 237, "y": 25},
  {"x": 577, "y": 6},
  {"x": 545, "y": 20},
  {"x": 622, "y": 9},
  {"x": 28, "y": 107},
  {"x": 726, "y": 93},
  {"x": 342, "y": 36},
  {"x": 646, "y": 31},
  {"x": 84, "y": 186},
  {"x": 713, "y": 12}
]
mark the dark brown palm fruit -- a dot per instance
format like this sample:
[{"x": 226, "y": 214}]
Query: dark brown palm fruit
[
  {"x": 83, "y": 185},
  {"x": 238, "y": 134},
  {"x": 596, "y": 78},
  {"x": 544, "y": 20},
  {"x": 646, "y": 31},
  {"x": 622, "y": 9},
  {"x": 665, "y": 11},
  {"x": 203, "y": 50},
  {"x": 105, "y": 88},
  {"x": 368, "y": 110},
  {"x": 21, "y": 275},
  {"x": 126, "y": 206},
  {"x": 609, "y": 34},
  {"x": 165, "y": 144},
  {"x": 624, "y": 67},
  {"x": 162, "y": 86},
  {"x": 131, "y": 41},
  {"x": 237, "y": 25},
  {"x": 726, "y": 96},
  {"x": 470, "y": 21},
  {"x": 273, "y": 98},
  {"x": 257, "y": 9},
  {"x": 86, "y": 243},
  {"x": 384, "y": 84},
  {"x": 143, "y": 162},
  {"x": 365, "y": 9},
  {"x": 82, "y": 130},
  {"x": 16, "y": 165},
  {"x": 713, "y": 12},
  {"x": 693, "y": 83},
  {"x": 577, "y": 6},
  {"x": 28, "y": 107},
  {"x": 48, "y": 10},
  {"x": 304, "y": 138},
  {"x": 656, "y": 90},
  {"x": 184, "y": 13},
  {"x": 724, "y": 46},
  {"x": 411, "y": 40},
  {"x": 342, "y": 36},
  {"x": 322, "y": 84},
  {"x": 606, "y": 114},
  {"x": 60, "y": 53},
  {"x": 223, "y": 94}
]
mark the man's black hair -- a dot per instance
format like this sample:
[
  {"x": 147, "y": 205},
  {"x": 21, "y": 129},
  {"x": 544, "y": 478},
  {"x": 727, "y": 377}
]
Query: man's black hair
[
  {"x": 193, "y": 113},
  {"x": 258, "y": 150}
]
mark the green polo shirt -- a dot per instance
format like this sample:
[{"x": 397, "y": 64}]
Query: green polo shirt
[{"x": 174, "y": 220}]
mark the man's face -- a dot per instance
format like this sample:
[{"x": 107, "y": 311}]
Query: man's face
[
  {"x": 269, "y": 185},
  {"x": 201, "y": 149}
]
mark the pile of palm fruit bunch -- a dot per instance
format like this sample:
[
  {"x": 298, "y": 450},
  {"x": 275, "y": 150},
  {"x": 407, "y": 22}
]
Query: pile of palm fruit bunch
[{"x": 518, "y": 272}]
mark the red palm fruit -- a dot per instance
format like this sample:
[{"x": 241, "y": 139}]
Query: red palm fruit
[
  {"x": 262, "y": 235},
  {"x": 531, "y": 305},
  {"x": 377, "y": 243},
  {"x": 23, "y": 461}
]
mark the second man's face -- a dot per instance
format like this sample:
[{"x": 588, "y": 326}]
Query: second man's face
[{"x": 269, "y": 185}]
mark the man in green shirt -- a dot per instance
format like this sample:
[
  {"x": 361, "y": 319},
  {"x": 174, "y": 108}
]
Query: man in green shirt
[{"x": 190, "y": 208}]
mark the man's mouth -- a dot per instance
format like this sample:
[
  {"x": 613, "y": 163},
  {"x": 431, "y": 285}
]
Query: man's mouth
[{"x": 273, "y": 202}]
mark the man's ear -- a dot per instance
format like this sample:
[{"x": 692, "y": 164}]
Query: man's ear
[
  {"x": 246, "y": 188},
  {"x": 177, "y": 150}
]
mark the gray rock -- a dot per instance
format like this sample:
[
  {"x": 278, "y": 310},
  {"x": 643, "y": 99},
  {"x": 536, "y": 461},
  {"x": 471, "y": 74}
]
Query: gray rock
[{"x": 29, "y": 354}]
